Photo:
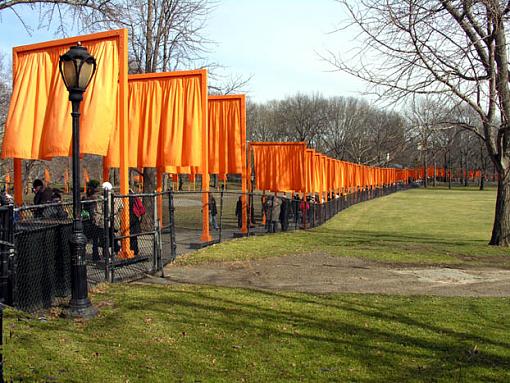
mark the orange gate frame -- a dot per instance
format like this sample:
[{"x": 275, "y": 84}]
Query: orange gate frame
[
  {"x": 204, "y": 166},
  {"x": 122, "y": 39},
  {"x": 244, "y": 164}
]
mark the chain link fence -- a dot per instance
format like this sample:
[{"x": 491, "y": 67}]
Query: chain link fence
[{"x": 34, "y": 240}]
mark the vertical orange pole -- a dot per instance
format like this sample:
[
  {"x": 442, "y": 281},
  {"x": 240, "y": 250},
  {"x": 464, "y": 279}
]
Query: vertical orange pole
[
  {"x": 244, "y": 174},
  {"x": 7, "y": 182},
  {"x": 124, "y": 144},
  {"x": 18, "y": 182},
  {"x": 159, "y": 189},
  {"x": 66, "y": 181},
  {"x": 264, "y": 220},
  {"x": 106, "y": 171},
  {"x": 206, "y": 235}
]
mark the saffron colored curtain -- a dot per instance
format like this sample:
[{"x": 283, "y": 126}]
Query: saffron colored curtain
[
  {"x": 165, "y": 121},
  {"x": 38, "y": 125},
  {"x": 279, "y": 167},
  {"x": 225, "y": 133}
]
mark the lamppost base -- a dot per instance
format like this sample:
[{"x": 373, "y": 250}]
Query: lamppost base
[{"x": 83, "y": 310}]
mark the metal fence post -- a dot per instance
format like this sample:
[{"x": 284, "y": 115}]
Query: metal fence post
[
  {"x": 156, "y": 245},
  {"x": 111, "y": 233},
  {"x": 6, "y": 251},
  {"x": 249, "y": 207},
  {"x": 270, "y": 221},
  {"x": 221, "y": 211},
  {"x": 171, "y": 224},
  {"x": 106, "y": 235},
  {"x": 295, "y": 208}
]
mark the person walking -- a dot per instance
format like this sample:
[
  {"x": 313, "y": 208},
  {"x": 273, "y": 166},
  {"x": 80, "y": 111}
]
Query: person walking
[
  {"x": 239, "y": 212},
  {"x": 213, "y": 211},
  {"x": 136, "y": 212},
  {"x": 274, "y": 213}
]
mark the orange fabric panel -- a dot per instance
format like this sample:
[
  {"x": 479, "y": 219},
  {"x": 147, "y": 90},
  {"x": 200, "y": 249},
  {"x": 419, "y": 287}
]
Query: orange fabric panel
[
  {"x": 165, "y": 120},
  {"x": 309, "y": 171},
  {"x": 225, "y": 134},
  {"x": 180, "y": 140},
  {"x": 181, "y": 170},
  {"x": 39, "y": 122},
  {"x": 320, "y": 173},
  {"x": 316, "y": 173},
  {"x": 279, "y": 167}
]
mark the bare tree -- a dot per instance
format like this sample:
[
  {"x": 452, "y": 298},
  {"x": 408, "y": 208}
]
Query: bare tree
[
  {"x": 64, "y": 15},
  {"x": 344, "y": 128},
  {"x": 5, "y": 93},
  {"x": 163, "y": 34},
  {"x": 454, "y": 49}
]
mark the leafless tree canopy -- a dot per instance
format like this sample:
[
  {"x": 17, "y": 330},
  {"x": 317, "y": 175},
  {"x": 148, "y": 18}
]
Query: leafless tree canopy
[
  {"x": 62, "y": 15},
  {"x": 345, "y": 128},
  {"x": 455, "y": 50},
  {"x": 163, "y": 34}
]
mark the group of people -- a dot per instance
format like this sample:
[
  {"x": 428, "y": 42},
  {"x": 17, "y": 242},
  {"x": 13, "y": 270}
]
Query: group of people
[
  {"x": 92, "y": 213},
  {"x": 284, "y": 210},
  {"x": 93, "y": 217}
]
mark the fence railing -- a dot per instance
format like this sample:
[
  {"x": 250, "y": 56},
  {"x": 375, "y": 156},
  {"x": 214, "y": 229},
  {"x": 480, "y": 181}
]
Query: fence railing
[{"x": 35, "y": 256}]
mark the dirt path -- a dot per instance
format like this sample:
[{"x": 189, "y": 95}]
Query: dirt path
[{"x": 318, "y": 273}]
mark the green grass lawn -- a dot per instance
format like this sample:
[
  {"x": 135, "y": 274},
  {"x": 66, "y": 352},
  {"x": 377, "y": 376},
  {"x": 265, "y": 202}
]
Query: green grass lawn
[
  {"x": 418, "y": 226},
  {"x": 203, "y": 334},
  {"x": 209, "y": 334}
]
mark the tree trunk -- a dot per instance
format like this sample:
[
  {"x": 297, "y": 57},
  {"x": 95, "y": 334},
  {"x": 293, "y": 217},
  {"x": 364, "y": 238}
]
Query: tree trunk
[
  {"x": 449, "y": 170},
  {"x": 466, "y": 171},
  {"x": 425, "y": 170},
  {"x": 482, "y": 180},
  {"x": 501, "y": 229},
  {"x": 445, "y": 168},
  {"x": 149, "y": 180},
  {"x": 461, "y": 179},
  {"x": 435, "y": 172}
]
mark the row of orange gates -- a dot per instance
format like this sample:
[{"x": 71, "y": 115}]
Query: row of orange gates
[
  {"x": 165, "y": 121},
  {"x": 458, "y": 173}
]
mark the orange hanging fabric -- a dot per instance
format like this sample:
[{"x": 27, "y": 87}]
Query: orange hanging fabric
[
  {"x": 279, "y": 167},
  {"x": 225, "y": 134},
  {"x": 39, "y": 119},
  {"x": 165, "y": 120}
]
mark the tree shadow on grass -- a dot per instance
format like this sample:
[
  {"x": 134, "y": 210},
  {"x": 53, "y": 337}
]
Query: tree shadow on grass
[
  {"x": 324, "y": 335},
  {"x": 366, "y": 236},
  {"x": 376, "y": 347}
]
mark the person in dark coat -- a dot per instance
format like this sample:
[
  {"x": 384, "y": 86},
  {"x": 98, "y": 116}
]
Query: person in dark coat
[
  {"x": 213, "y": 211},
  {"x": 284, "y": 213},
  {"x": 42, "y": 196},
  {"x": 239, "y": 212},
  {"x": 134, "y": 223}
]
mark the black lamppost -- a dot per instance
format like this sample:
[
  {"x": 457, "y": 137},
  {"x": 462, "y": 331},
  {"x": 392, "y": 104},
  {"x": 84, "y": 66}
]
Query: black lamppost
[{"x": 77, "y": 67}]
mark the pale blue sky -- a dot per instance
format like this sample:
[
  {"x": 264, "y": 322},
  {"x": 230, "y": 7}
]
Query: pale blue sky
[{"x": 276, "y": 41}]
